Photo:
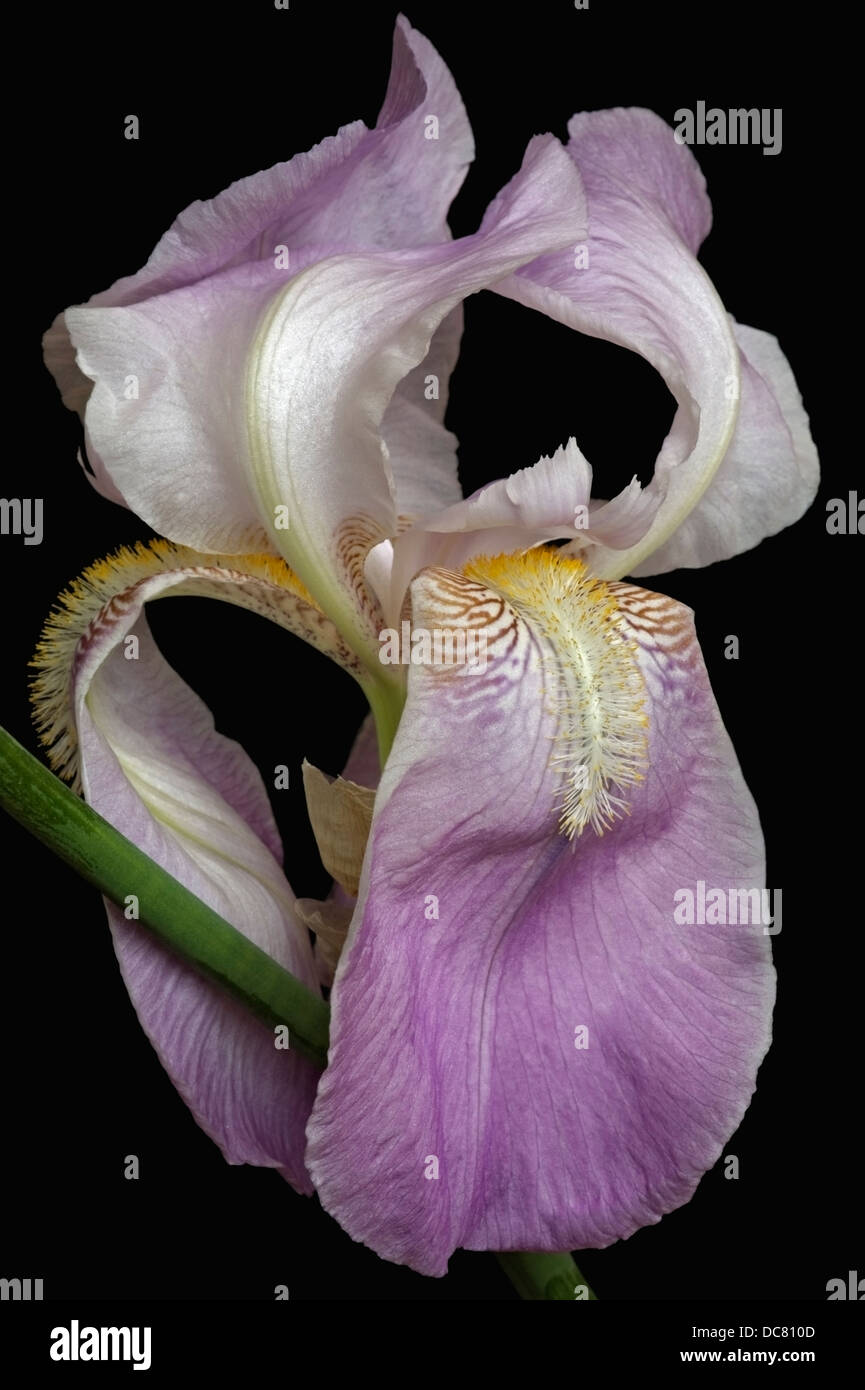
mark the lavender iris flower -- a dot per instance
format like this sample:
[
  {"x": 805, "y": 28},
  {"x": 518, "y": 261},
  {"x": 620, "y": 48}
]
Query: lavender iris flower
[{"x": 528, "y": 1051}]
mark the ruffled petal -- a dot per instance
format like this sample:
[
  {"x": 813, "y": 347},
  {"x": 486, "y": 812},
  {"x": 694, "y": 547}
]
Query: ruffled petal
[
  {"x": 422, "y": 454},
  {"x": 245, "y": 411},
  {"x": 346, "y": 332},
  {"x": 356, "y": 190},
  {"x": 165, "y": 419},
  {"x": 770, "y": 473},
  {"x": 151, "y": 762},
  {"x": 636, "y": 282},
  {"x": 159, "y": 359},
  {"x": 527, "y": 1050},
  {"x": 549, "y": 501}
]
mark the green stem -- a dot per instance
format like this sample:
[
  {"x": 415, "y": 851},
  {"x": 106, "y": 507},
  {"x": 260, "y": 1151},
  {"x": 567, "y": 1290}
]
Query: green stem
[
  {"x": 105, "y": 858},
  {"x": 386, "y": 702},
  {"x": 540, "y": 1276}
]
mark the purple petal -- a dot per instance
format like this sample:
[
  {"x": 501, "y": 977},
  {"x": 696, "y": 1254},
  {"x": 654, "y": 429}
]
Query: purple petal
[
  {"x": 422, "y": 454},
  {"x": 347, "y": 332},
  {"x": 207, "y": 410},
  {"x": 642, "y": 288},
  {"x": 176, "y": 333},
  {"x": 356, "y": 190},
  {"x": 153, "y": 765},
  {"x": 483, "y": 942},
  {"x": 164, "y": 420},
  {"x": 770, "y": 472}
]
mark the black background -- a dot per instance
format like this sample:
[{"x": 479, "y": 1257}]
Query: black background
[{"x": 221, "y": 93}]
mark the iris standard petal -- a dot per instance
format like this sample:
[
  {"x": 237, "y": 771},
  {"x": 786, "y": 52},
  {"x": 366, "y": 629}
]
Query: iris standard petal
[
  {"x": 636, "y": 282},
  {"x": 549, "y": 501},
  {"x": 157, "y": 361},
  {"x": 236, "y": 414},
  {"x": 770, "y": 472},
  {"x": 356, "y": 190},
  {"x": 527, "y": 1050},
  {"x": 346, "y": 332}
]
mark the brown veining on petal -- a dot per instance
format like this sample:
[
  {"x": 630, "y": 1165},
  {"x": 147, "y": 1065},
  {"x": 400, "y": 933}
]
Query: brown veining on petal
[
  {"x": 592, "y": 682},
  {"x": 352, "y": 542},
  {"x": 101, "y": 600}
]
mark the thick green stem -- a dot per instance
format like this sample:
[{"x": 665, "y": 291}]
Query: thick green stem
[
  {"x": 549, "y": 1277},
  {"x": 105, "y": 858},
  {"x": 386, "y": 703}
]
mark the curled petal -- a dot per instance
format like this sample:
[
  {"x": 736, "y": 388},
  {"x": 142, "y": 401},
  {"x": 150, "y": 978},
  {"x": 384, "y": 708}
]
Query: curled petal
[
  {"x": 527, "y": 1050},
  {"x": 347, "y": 332},
  {"x": 422, "y": 454},
  {"x": 770, "y": 472},
  {"x": 164, "y": 420},
  {"x": 207, "y": 411},
  {"x": 356, "y": 190},
  {"x": 549, "y": 501},
  {"x": 158, "y": 361},
  {"x": 150, "y": 761},
  {"x": 639, "y": 285}
]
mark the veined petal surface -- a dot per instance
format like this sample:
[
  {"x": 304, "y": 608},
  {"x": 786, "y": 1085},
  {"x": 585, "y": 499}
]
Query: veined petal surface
[{"x": 528, "y": 1052}]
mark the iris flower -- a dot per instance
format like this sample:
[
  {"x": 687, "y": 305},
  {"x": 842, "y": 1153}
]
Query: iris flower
[{"x": 527, "y": 1051}]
